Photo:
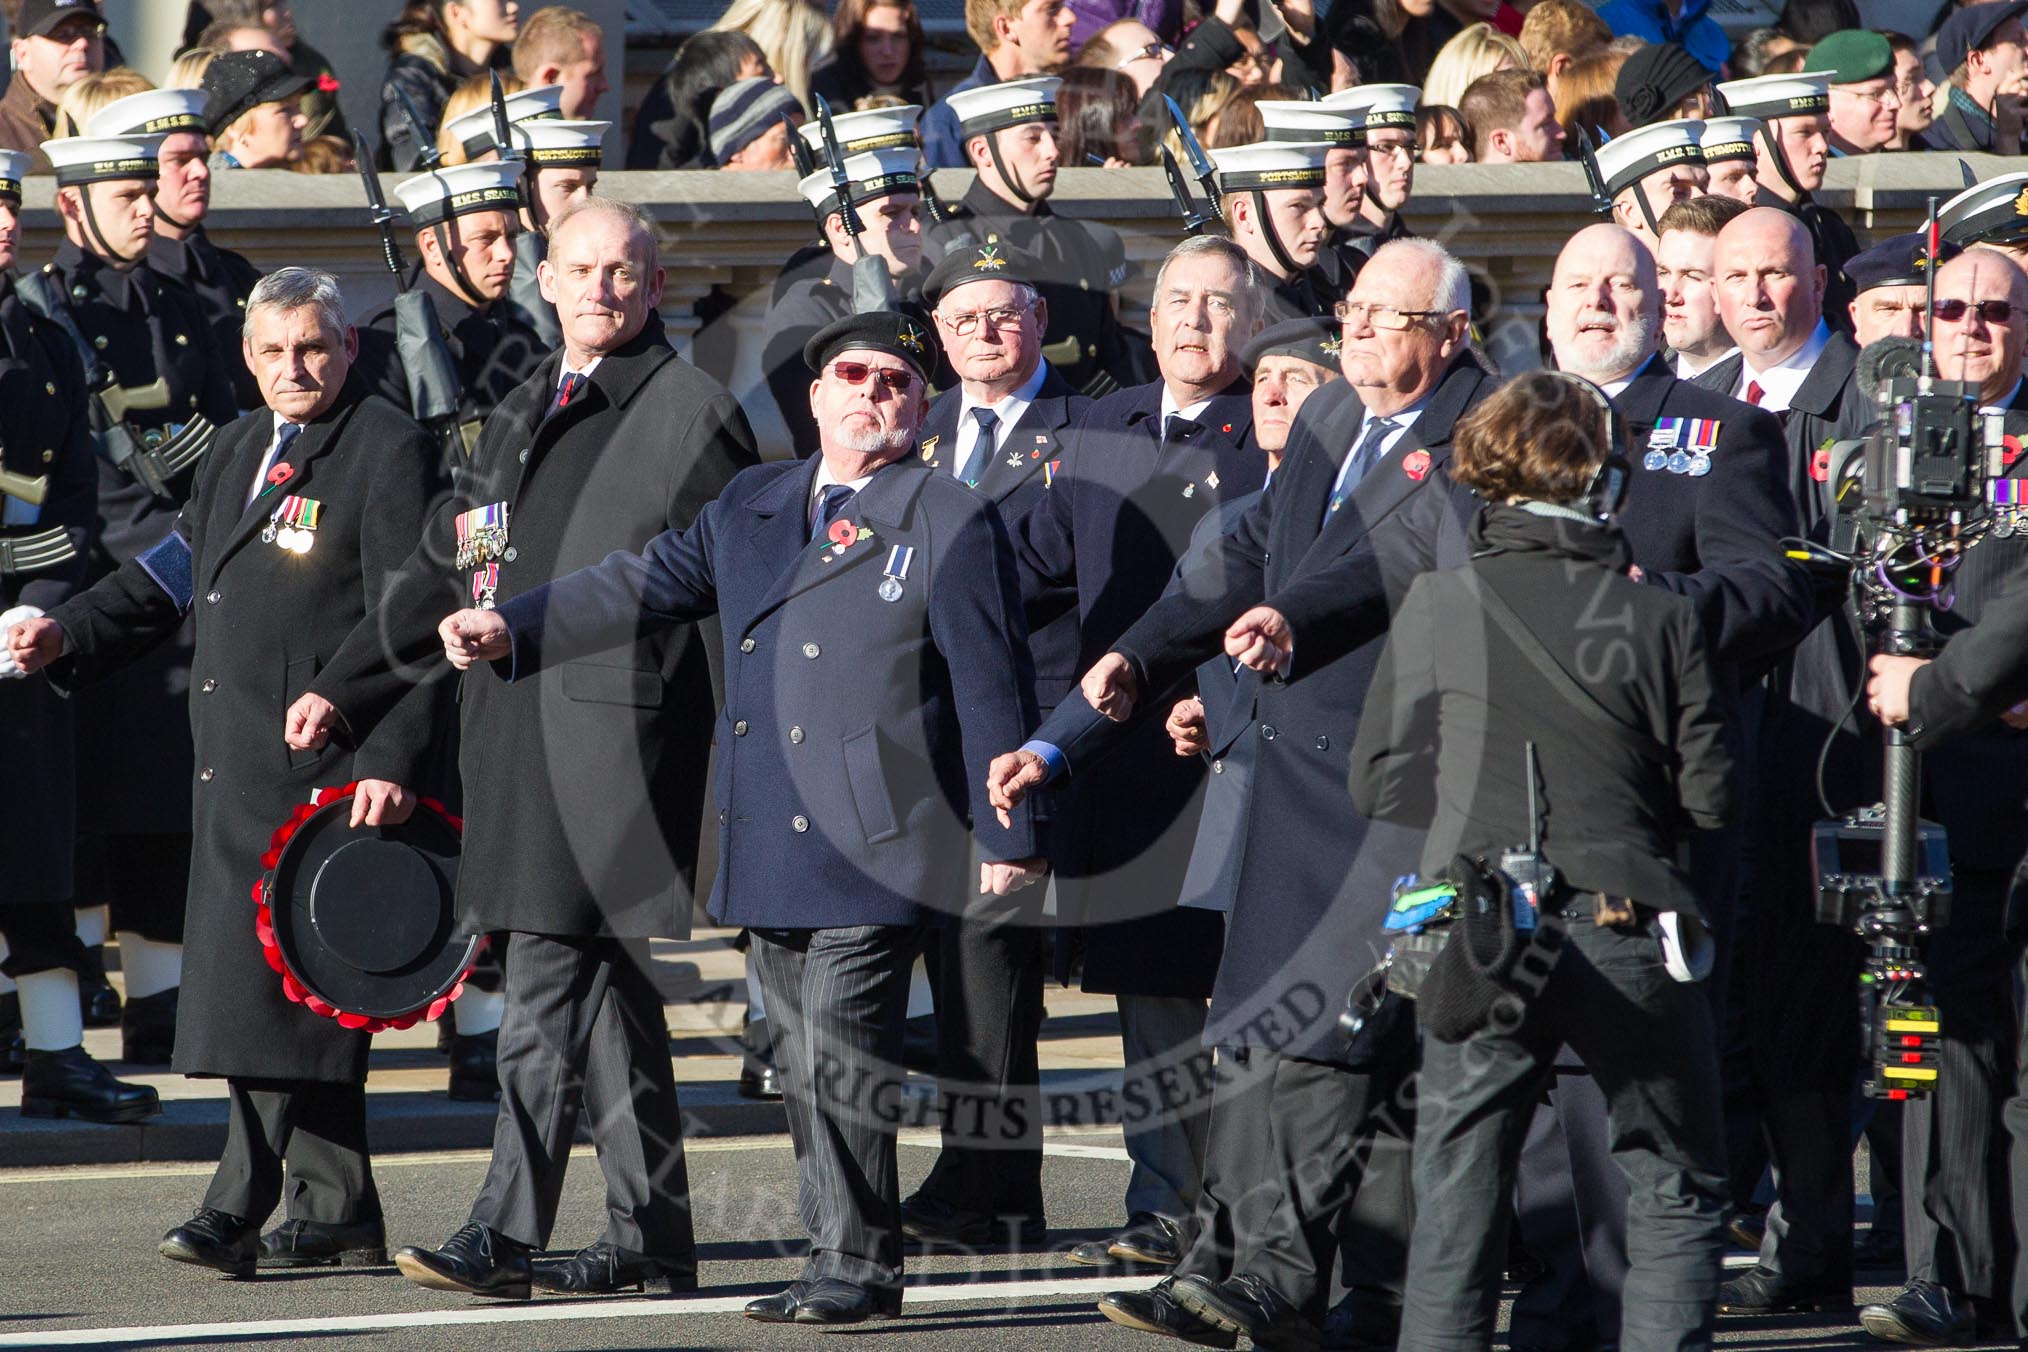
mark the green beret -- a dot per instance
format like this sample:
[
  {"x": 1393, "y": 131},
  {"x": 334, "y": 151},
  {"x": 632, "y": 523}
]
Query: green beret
[{"x": 1852, "y": 56}]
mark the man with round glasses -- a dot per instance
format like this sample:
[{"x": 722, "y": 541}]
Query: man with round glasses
[{"x": 56, "y": 44}]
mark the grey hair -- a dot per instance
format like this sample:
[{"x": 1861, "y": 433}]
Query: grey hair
[
  {"x": 294, "y": 288},
  {"x": 637, "y": 221},
  {"x": 1249, "y": 286},
  {"x": 1453, "y": 289}
]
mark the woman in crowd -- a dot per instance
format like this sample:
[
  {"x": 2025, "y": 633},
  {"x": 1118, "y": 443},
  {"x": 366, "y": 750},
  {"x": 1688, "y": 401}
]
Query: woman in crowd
[
  {"x": 1098, "y": 121},
  {"x": 878, "y": 50},
  {"x": 1479, "y": 50},
  {"x": 256, "y": 111},
  {"x": 1585, "y": 98},
  {"x": 1440, "y": 136},
  {"x": 431, "y": 46},
  {"x": 672, "y": 129},
  {"x": 794, "y": 36}
]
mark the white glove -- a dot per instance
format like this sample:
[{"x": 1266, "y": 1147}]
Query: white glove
[{"x": 9, "y": 669}]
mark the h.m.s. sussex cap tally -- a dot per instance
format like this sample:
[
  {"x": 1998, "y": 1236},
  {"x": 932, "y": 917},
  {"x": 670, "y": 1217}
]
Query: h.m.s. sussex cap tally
[
  {"x": 889, "y": 331},
  {"x": 1011, "y": 103},
  {"x": 473, "y": 131},
  {"x": 79, "y": 160},
  {"x": 870, "y": 175},
  {"x": 1632, "y": 156},
  {"x": 460, "y": 190}
]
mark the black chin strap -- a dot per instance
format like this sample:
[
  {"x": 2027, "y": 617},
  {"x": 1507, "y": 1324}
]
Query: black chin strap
[
  {"x": 1007, "y": 174},
  {"x": 466, "y": 291},
  {"x": 1273, "y": 238},
  {"x": 98, "y": 236},
  {"x": 1770, "y": 132},
  {"x": 164, "y": 214}
]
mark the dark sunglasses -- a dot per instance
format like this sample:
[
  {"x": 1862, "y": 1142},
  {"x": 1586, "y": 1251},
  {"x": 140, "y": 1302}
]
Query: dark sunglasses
[
  {"x": 1990, "y": 311},
  {"x": 855, "y": 373}
]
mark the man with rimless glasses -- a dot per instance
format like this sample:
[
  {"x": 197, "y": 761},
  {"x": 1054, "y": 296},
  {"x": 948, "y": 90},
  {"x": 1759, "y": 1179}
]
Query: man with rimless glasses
[{"x": 56, "y": 44}]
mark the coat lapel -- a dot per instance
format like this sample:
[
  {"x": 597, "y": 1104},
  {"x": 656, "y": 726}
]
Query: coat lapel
[
  {"x": 1029, "y": 445},
  {"x": 937, "y": 439},
  {"x": 311, "y": 444},
  {"x": 876, "y": 512}
]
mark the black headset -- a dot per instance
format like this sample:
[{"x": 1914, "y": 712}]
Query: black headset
[{"x": 1607, "y": 491}]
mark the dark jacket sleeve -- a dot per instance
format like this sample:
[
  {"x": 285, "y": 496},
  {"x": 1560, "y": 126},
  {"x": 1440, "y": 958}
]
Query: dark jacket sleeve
[
  {"x": 1703, "y": 760},
  {"x": 1188, "y": 623},
  {"x": 1211, "y": 45},
  {"x": 1394, "y": 753},
  {"x": 1980, "y": 674},
  {"x": 72, "y": 500}
]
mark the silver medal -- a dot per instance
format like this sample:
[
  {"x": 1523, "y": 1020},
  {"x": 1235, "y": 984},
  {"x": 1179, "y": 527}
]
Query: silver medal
[
  {"x": 1700, "y": 465},
  {"x": 890, "y": 589},
  {"x": 1654, "y": 460},
  {"x": 1679, "y": 462},
  {"x": 268, "y": 534}
]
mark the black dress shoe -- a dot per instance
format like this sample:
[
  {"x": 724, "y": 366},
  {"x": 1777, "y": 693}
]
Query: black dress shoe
[
  {"x": 1362, "y": 1323},
  {"x": 70, "y": 1084},
  {"x": 1156, "y": 1310},
  {"x": 1759, "y": 1291},
  {"x": 1922, "y": 1314},
  {"x": 780, "y": 1308},
  {"x": 13, "y": 1051},
  {"x": 304, "y": 1244},
  {"x": 475, "y": 1067},
  {"x": 831, "y": 1300},
  {"x": 932, "y": 1220},
  {"x": 96, "y": 998},
  {"x": 601, "y": 1269},
  {"x": 215, "y": 1239},
  {"x": 1154, "y": 1240},
  {"x": 148, "y": 1029},
  {"x": 764, "y": 1084},
  {"x": 1245, "y": 1304},
  {"x": 475, "y": 1260}
]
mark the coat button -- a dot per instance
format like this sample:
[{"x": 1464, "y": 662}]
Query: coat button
[
  {"x": 49, "y": 387},
  {"x": 212, "y": 598},
  {"x": 746, "y": 645},
  {"x": 100, "y": 342},
  {"x": 523, "y": 455},
  {"x": 801, "y": 823},
  {"x": 1323, "y": 744},
  {"x": 722, "y": 816},
  {"x": 1267, "y": 732},
  {"x": 182, "y": 341},
  {"x": 49, "y": 455},
  {"x": 205, "y": 774},
  {"x": 1218, "y": 767},
  {"x": 811, "y": 650},
  {"x": 796, "y": 736},
  {"x": 208, "y": 686},
  {"x": 739, "y": 728}
]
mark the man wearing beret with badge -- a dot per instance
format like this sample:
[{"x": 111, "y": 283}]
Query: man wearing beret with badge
[
  {"x": 1864, "y": 103},
  {"x": 881, "y": 658},
  {"x": 297, "y": 516}
]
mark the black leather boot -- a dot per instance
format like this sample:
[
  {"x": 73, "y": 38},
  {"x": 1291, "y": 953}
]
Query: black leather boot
[
  {"x": 70, "y": 1084},
  {"x": 96, "y": 998},
  {"x": 13, "y": 1051},
  {"x": 148, "y": 1029}
]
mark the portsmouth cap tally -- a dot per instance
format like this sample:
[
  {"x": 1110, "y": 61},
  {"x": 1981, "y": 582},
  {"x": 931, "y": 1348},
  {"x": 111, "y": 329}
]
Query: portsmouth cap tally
[
  {"x": 1303, "y": 121},
  {"x": 876, "y": 173},
  {"x": 1268, "y": 165},
  {"x": 1632, "y": 156},
  {"x": 1729, "y": 138},
  {"x": 889, "y": 331},
  {"x": 990, "y": 262},
  {"x": 1316, "y": 341},
  {"x": 460, "y": 190},
  {"x": 552, "y": 143},
  {"x": 14, "y": 165},
  {"x": 1993, "y": 212},
  {"x": 1012, "y": 103},
  {"x": 473, "y": 131},
  {"x": 157, "y": 112},
  {"x": 1771, "y": 96},
  {"x": 1381, "y": 105},
  {"x": 873, "y": 129},
  {"x": 78, "y": 160}
]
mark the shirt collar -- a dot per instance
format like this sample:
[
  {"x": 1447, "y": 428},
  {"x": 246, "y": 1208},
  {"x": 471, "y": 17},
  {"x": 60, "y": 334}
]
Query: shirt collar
[
  {"x": 2002, "y": 405},
  {"x": 1778, "y": 384},
  {"x": 825, "y": 479},
  {"x": 1403, "y": 418},
  {"x": 1009, "y": 407},
  {"x": 1170, "y": 410},
  {"x": 566, "y": 370}
]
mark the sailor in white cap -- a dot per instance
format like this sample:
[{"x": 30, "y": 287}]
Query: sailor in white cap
[
  {"x": 1387, "y": 112},
  {"x": 472, "y": 132},
  {"x": 1273, "y": 194},
  {"x": 1795, "y": 144},
  {"x": 466, "y": 220},
  {"x": 1344, "y": 131},
  {"x": 1009, "y": 135},
  {"x": 1650, "y": 169},
  {"x": 1730, "y": 157},
  {"x": 1994, "y": 212}
]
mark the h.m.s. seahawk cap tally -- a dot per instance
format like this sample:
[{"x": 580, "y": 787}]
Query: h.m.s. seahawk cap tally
[
  {"x": 155, "y": 112},
  {"x": 1304, "y": 121},
  {"x": 876, "y": 173},
  {"x": 1632, "y": 156},
  {"x": 14, "y": 166},
  {"x": 873, "y": 129},
  {"x": 1265, "y": 166},
  {"x": 1012, "y": 103},
  {"x": 78, "y": 160},
  {"x": 1771, "y": 96},
  {"x": 474, "y": 130},
  {"x": 1383, "y": 105},
  {"x": 1729, "y": 138},
  {"x": 1993, "y": 212},
  {"x": 551, "y": 143},
  {"x": 460, "y": 190}
]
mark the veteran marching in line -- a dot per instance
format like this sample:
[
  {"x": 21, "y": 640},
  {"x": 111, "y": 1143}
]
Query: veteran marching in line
[{"x": 366, "y": 666}]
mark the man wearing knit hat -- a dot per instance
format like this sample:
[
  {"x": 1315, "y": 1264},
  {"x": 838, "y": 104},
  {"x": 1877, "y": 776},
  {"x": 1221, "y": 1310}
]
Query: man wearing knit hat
[
  {"x": 751, "y": 122},
  {"x": 1864, "y": 103}
]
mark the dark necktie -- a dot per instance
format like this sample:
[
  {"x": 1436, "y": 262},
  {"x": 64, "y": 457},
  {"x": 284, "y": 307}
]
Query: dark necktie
[
  {"x": 1177, "y": 428},
  {"x": 1362, "y": 461},
  {"x": 284, "y": 438},
  {"x": 982, "y": 447},
  {"x": 565, "y": 392},
  {"x": 830, "y": 503}
]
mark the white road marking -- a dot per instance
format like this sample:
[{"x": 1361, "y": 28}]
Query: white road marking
[{"x": 956, "y": 1293}]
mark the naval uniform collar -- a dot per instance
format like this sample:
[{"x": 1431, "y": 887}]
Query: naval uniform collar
[{"x": 120, "y": 287}]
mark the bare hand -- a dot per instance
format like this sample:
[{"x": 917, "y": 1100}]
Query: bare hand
[
  {"x": 34, "y": 644},
  {"x": 1634, "y": 573},
  {"x": 1110, "y": 687},
  {"x": 1185, "y": 727},
  {"x": 2016, "y": 717},
  {"x": 474, "y": 636},
  {"x": 1887, "y": 689},
  {"x": 1008, "y": 780},
  {"x": 310, "y": 721},
  {"x": 380, "y": 803},
  {"x": 1261, "y": 639},
  {"x": 1011, "y": 876}
]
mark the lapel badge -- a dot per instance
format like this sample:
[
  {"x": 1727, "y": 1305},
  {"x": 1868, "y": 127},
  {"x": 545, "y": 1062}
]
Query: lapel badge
[
  {"x": 1820, "y": 462},
  {"x": 2020, "y": 205},
  {"x": 280, "y": 475},
  {"x": 1049, "y": 472},
  {"x": 929, "y": 448},
  {"x": 1416, "y": 465},
  {"x": 1225, "y": 428},
  {"x": 1190, "y": 489},
  {"x": 1211, "y": 479}
]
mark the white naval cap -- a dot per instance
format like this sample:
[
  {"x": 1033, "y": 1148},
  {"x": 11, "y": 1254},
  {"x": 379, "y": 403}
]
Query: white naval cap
[
  {"x": 1011, "y": 103},
  {"x": 1992, "y": 212},
  {"x": 1729, "y": 138},
  {"x": 875, "y": 173},
  {"x": 14, "y": 165},
  {"x": 156, "y": 112},
  {"x": 1305, "y": 120},
  {"x": 552, "y": 143},
  {"x": 461, "y": 189},
  {"x": 1771, "y": 96},
  {"x": 1384, "y": 105},
  {"x": 474, "y": 130},
  {"x": 1268, "y": 165},
  {"x": 872, "y": 129},
  {"x": 96, "y": 159},
  {"x": 1632, "y": 156}
]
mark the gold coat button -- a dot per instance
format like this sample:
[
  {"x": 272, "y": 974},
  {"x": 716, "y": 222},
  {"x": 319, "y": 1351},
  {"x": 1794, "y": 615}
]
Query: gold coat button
[{"x": 48, "y": 456}]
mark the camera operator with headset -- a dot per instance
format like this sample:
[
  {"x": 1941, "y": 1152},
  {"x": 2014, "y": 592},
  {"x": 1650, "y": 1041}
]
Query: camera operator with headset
[
  {"x": 1976, "y": 776},
  {"x": 1609, "y": 682}
]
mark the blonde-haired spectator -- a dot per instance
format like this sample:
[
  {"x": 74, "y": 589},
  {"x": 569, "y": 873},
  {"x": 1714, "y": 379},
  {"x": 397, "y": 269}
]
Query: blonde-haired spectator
[
  {"x": 94, "y": 92},
  {"x": 794, "y": 35},
  {"x": 1479, "y": 49},
  {"x": 188, "y": 72}
]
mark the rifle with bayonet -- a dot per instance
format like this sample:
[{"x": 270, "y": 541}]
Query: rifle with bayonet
[
  {"x": 872, "y": 288},
  {"x": 1200, "y": 164}
]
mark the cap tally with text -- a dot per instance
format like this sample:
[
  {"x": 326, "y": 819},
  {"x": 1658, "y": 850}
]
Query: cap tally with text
[
  {"x": 474, "y": 130},
  {"x": 157, "y": 112},
  {"x": 1632, "y": 156},
  {"x": 1012, "y": 103},
  {"x": 1382, "y": 105},
  {"x": 460, "y": 190},
  {"x": 1993, "y": 212},
  {"x": 889, "y": 331},
  {"x": 13, "y": 168},
  {"x": 1770, "y": 96},
  {"x": 1729, "y": 138},
  {"x": 551, "y": 143},
  {"x": 1303, "y": 121},
  {"x": 873, "y": 129},
  {"x": 991, "y": 262},
  {"x": 1265, "y": 166},
  {"x": 877, "y": 173},
  {"x": 1313, "y": 340},
  {"x": 1899, "y": 260},
  {"x": 1851, "y": 56},
  {"x": 78, "y": 160}
]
